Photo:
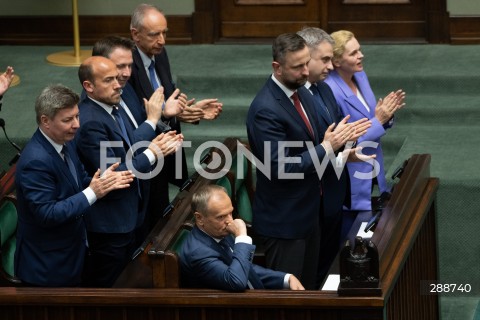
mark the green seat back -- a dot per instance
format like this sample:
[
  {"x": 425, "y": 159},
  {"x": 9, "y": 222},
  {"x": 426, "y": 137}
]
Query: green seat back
[
  {"x": 225, "y": 182},
  {"x": 8, "y": 227},
  {"x": 239, "y": 179},
  {"x": 244, "y": 206},
  {"x": 8, "y": 256},
  {"x": 178, "y": 243}
]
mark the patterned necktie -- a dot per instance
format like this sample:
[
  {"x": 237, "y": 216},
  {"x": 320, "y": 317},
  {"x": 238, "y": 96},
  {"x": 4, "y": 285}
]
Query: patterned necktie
[
  {"x": 254, "y": 281},
  {"x": 121, "y": 124},
  {"x": 298, "y": 106},
  {"x": 319, "y": 100},
  {"x": 69, "y": 163},
  {"x": 225, "y": 246},
  {"x": 153, "y": 79}
]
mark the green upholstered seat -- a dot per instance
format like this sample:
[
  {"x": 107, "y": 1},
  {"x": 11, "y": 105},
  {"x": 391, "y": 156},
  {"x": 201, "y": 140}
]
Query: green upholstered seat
[
  {"x": 227, "y": 184},
  {"x": 177, "y": 244},
  {"x": 8, "y": 228},
  {"x": 244, "y": 205}
]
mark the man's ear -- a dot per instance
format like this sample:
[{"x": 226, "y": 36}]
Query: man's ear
[
  {"x": 88, "y": 86},
  {"x": 198, "y": 217},
  {"x": 276, "y": 67},
  {"x": 45, "y": 121},
  {"x": 134, "y": 34}
]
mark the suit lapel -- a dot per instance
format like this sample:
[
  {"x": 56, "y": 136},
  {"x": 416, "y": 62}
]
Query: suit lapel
[
  {"x": 364, "y": 87},
  {"x": 108, "y": 119},
  {"x": 209, "y": 241},
  {"x": 287, "y": 104},
  {"x": 308, "y": 104},
  {"x": 57, "y": 161},
  {"x": 350, "y": 97},
  {"x": 133, "y": 103},
  {"x": 142, "y": 74},
  {"x": 325, "y": 115}
]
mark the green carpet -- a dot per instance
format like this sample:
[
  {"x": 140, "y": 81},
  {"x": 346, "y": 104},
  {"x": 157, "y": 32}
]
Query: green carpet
[{"x": 441, "y": 118}]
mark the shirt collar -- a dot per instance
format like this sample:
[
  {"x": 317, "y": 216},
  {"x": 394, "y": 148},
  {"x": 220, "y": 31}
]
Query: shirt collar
[
  {"x": 104, "y": 106},
  {"x": 308, "y": 84},
  {"x": 56, "y": 146},
  {"x": 287, "y": 91},
  {"x": 146, "y": 60}
]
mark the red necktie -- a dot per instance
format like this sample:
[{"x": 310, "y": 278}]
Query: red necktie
[{"x": 298, "y": 106}]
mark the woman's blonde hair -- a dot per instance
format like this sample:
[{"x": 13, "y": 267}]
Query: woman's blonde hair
[{"x": 341, "y": 38}]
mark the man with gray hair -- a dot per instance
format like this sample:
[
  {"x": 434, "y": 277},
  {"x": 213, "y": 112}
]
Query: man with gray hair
[
  {"x": 54, "y": 192},
  {"x": 336, "y": 190},
  {"x": 211, "y": 258},
  {"x": 151, "y": 69}
]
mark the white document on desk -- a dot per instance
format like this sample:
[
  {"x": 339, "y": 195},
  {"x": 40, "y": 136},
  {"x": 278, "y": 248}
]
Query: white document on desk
[
  {"x": 332, "y": 283},
  {"x": 362, "y": 233}
]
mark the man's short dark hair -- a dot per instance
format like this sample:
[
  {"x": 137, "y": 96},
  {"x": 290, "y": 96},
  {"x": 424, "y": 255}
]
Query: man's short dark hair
[
  {"x": 286, "y": 42},
  {"x": 105, "y": 46}
]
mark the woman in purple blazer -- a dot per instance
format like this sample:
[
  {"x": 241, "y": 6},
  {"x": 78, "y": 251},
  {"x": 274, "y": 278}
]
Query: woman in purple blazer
[{"x": 355, "y": 97}]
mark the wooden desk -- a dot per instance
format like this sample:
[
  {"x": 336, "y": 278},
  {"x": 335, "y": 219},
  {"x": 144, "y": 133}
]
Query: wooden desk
[{"x": 405, "y": 237}]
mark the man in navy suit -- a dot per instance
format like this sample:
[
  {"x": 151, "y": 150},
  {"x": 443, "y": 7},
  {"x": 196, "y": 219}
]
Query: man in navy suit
[
  {"x": 336, "y": 188},
  {"x": 287, "y": 201},
  {"x": 148, "y": 29},
  {"x": 106, "y": 134},
  {"x": 211, "y": 258},
  {"x": 54, "y": 192},
  {"x": 146, "y": 113}
]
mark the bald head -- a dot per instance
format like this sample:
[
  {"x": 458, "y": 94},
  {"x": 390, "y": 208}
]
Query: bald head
[{"x": 98, "y": 76}]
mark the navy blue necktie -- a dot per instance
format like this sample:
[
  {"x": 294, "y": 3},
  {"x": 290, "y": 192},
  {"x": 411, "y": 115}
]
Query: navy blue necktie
[
  {"x": 69, "y": 163},
  {"x": 319, "y": 100},
  {"x": 153, "y": 79},
  {"x": 121, "y": 124},
  {"x": 254, "y": 281},
  {"x": 123, "y": 129},
  {"x": 225, "y": 246}
]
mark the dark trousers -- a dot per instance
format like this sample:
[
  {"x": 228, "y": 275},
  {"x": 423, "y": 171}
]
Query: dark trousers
[
  {"x": 109, "y": 253},
  {"x": 296, "y": 256},
  {"x": 329, "y": 245},
  {"x": 348, "y": 219}
]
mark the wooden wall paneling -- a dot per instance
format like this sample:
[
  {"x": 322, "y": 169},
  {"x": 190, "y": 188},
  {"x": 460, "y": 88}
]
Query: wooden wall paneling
[
  {"x": 205, "y": 21},
  {"x": 464, "y": 30},
  {"x": 437, "y": 21},
  {"x": 58, "y": 30},
  {"x": 259, "y": 20},
  {"x": 379, "y": 22}
]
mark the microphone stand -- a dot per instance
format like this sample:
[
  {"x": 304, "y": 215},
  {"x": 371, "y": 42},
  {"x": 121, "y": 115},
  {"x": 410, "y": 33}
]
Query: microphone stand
[{"x": 13, "y": 144}]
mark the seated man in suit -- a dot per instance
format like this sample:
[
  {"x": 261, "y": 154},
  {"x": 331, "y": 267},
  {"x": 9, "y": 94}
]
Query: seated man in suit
[
  {"x": 54, "y": 192},
  {"x": 210, "y": 257}
]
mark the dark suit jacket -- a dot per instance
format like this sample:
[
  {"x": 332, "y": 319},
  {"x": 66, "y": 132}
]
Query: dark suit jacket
[
  {"x": 285, "y": 208},
  {"x": 135, "y": 105},
  {"x": 141, "y": 84},
  {"x": 336, "y": 191},
  {"x": 118, "y": 211},
  {"x": 205, "y": 264},
  {"x": 51, "y": 230}
]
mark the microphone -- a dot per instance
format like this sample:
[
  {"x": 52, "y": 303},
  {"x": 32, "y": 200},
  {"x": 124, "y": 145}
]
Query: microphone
[
  {"x": 14, "y": 160},
  {"x": 398, "y": 172},
  {"x": 373, "y": 221}
]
